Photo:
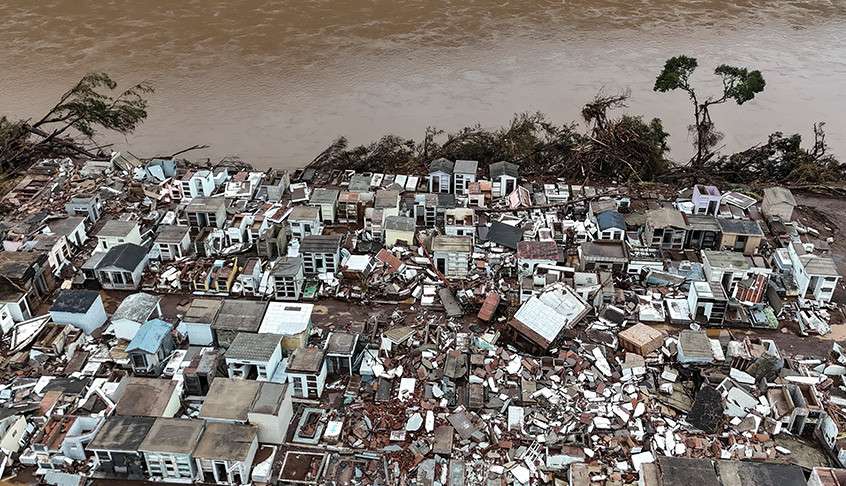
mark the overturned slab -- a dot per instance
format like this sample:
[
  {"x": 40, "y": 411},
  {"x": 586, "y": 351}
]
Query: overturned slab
[{"x": 641, "y": 339}]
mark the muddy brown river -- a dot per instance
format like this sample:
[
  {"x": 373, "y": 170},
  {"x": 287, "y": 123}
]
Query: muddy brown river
[{"x": 275, "y": 82}]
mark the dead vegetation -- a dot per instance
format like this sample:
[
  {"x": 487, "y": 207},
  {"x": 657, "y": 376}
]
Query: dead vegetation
[
  {"x": 783, "y": 158},
  {"x": 607, "y": 147},
  {"x": 612, "y": 148},
  {"x": 621, "y": 148}
]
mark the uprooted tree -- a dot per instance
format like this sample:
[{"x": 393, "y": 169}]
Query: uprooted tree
[
  {"x": 621, "y": 148},
  {"x": 69, "y": 127},
  {"x": 739, "y": 85},
  {"x": 612, "y": 148},
  {"x": 783, "y": 159}
]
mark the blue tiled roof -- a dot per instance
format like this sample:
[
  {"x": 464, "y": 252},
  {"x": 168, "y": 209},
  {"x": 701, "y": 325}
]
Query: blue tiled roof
[
  {"x": 611, "y": 219},
  {"x": 149, "y": 336}
]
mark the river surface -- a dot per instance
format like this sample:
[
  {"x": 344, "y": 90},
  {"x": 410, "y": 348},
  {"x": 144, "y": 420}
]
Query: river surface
[{"x": 275, "y": 82}]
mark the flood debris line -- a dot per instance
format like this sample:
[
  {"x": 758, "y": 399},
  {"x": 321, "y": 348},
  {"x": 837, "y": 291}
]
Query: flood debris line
[
  {"x": 173, "y": 322},
  {"x": 608, "y": 145}
]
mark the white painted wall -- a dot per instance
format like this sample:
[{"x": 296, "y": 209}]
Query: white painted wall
[{"x": 87, "y": 322}]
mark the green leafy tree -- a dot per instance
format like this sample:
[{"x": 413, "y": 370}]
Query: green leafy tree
[
  {"x": 80, "y": 114},
  {"x": 739, "y": 85}
]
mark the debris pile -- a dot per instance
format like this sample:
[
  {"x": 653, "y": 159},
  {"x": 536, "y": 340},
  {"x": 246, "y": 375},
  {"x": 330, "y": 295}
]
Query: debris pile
[{"x": 442, "y": 328}]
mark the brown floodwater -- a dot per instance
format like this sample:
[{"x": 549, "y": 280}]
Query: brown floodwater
[{"x": 275, "y": 82}]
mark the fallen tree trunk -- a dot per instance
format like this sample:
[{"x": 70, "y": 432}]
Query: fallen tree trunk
[{"x": 62, "y": 142}]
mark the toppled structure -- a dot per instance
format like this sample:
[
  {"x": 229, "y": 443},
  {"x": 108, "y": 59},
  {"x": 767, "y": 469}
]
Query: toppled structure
[{"x": 176, "y": 323}]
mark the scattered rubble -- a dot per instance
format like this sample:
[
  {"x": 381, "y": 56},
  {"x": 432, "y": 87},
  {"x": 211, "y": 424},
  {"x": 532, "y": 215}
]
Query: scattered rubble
[{"x": 179, "y": 323}]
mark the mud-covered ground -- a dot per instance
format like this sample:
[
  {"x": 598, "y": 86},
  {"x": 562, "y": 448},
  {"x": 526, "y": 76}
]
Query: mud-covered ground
[
  {"x": 833, "y": 223},
  {"x": 825, "y": 214},
  {"x": 828, "y": 216}
]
